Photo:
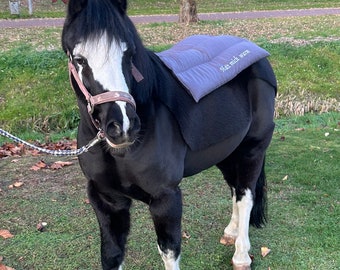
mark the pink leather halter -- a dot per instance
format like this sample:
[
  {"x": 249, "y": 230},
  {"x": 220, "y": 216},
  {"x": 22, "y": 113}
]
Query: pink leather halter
[{"x": 110, "y": 96}]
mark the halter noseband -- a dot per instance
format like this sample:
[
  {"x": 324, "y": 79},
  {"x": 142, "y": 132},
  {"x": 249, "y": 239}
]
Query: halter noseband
[{"x": 105, "y": 97}]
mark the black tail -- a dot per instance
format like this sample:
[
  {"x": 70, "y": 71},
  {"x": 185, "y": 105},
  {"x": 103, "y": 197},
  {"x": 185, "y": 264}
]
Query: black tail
[{"x": 258, "y": 215}]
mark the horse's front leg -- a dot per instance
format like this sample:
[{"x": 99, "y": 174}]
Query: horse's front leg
[
  {"x": 166, "y": 212},
  {"x": 112, "y": 211}
]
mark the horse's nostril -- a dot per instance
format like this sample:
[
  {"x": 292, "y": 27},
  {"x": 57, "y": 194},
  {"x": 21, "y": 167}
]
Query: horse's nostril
[{"x": 113, "y": 129}]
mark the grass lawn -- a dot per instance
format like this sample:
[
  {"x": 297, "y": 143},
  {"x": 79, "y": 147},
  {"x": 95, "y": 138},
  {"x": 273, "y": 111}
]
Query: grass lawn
[{"x": 304, "y": 210}]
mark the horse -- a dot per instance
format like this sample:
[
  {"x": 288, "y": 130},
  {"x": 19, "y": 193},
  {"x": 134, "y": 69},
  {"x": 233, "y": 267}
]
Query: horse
[{"x": 132, "y": 101}]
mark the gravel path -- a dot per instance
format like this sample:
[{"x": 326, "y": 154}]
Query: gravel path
[{"x": 18, "y": 23}]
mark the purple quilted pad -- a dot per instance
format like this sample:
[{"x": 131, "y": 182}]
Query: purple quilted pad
[{"x": 203, "y": 63}]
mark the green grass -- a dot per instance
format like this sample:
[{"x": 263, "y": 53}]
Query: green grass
[
  {"x": 40, "y": 98},
  {"x": 43, "y": 8},
  {"x": 302, "y": 232},
  {"x": 311, "y": 67}
]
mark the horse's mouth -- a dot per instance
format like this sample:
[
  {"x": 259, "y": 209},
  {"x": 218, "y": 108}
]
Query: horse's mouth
[{"x": 118, "y": 146}]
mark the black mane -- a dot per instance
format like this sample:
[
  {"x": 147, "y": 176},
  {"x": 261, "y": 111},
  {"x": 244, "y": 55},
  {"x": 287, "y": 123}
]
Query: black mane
[{"x": 92, "y": 18}]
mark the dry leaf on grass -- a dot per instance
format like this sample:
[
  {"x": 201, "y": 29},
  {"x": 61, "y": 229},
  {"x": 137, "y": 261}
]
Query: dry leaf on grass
[
  {"x": 264, "y": 251},
  {"x": 16, "y": 185},
  {"x": 54, "y": 166},
  {"x": 186, "y": 235},
  {"x": 87, "y": 201},
  {"x": 41, "y": 226},
  {"x": 4, "y": 267},
  {"x": 11, "y": 149},
  {"x": 38, "y": 166},
  {"x": 59, "y": 164},
  {"x": 6, "y": 234}
]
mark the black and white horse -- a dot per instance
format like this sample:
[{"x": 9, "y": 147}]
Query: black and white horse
[{"x": 137, "y": 105}]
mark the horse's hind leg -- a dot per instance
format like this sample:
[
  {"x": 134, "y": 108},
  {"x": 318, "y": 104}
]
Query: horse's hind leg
[
  {"x": 242, "y": 173},
  {"x": 166, "y": 212},
  {"x": 113, "y": 216}
]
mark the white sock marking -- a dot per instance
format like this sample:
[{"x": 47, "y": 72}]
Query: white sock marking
[
  {"x": 242, "y": 244},
  {"x": 168, "y": 257},
  {"x": 232, "y": 228}
]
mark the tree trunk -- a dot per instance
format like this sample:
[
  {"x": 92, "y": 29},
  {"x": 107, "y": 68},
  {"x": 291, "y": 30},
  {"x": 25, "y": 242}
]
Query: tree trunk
[
  {"x": 30, "y": 7},
  {"x": 188, "y": 11}
]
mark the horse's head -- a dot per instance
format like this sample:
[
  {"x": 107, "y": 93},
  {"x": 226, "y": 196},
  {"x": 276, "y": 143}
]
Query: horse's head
[{"x": 100, "y": 49}]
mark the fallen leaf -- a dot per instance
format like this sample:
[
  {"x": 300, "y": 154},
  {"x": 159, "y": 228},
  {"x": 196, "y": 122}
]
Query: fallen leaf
[
  {"x": 41, "y": 226},
  {"x": 186, "y": 235},
  {"x": 6, "y": 234},
  {"x": 264, "y": 251},
  {"x": 38, "y": 166},
  {"x": 18, "y": 184},
  {"x": 4, "y": 267},
  {"x": 60, "y": 164}
]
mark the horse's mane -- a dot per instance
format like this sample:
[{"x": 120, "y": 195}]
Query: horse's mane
[{"x": 95, "y": 17}]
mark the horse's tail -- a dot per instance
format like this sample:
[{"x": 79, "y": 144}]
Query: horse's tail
[{"x": 258, "y": 215}]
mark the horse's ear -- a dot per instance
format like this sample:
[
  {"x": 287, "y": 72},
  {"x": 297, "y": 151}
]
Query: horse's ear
[
  {"x": 75, "y": 6},
  {"x": 122, "y": 4}
]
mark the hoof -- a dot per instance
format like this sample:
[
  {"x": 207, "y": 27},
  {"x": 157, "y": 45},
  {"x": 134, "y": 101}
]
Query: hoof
[
  {"x": 241, "y": 267},
  {"x": 227, "y": 240}
]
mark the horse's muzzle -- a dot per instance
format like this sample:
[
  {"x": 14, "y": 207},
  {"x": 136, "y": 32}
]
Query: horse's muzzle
[{"x": 122, "y": 134}]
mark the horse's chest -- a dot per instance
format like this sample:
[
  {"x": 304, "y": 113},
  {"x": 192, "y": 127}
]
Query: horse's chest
[{"x": 147, "y": 175}]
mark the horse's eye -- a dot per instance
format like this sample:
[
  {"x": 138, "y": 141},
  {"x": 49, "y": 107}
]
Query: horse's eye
[{"x": 80, "y": 61}]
